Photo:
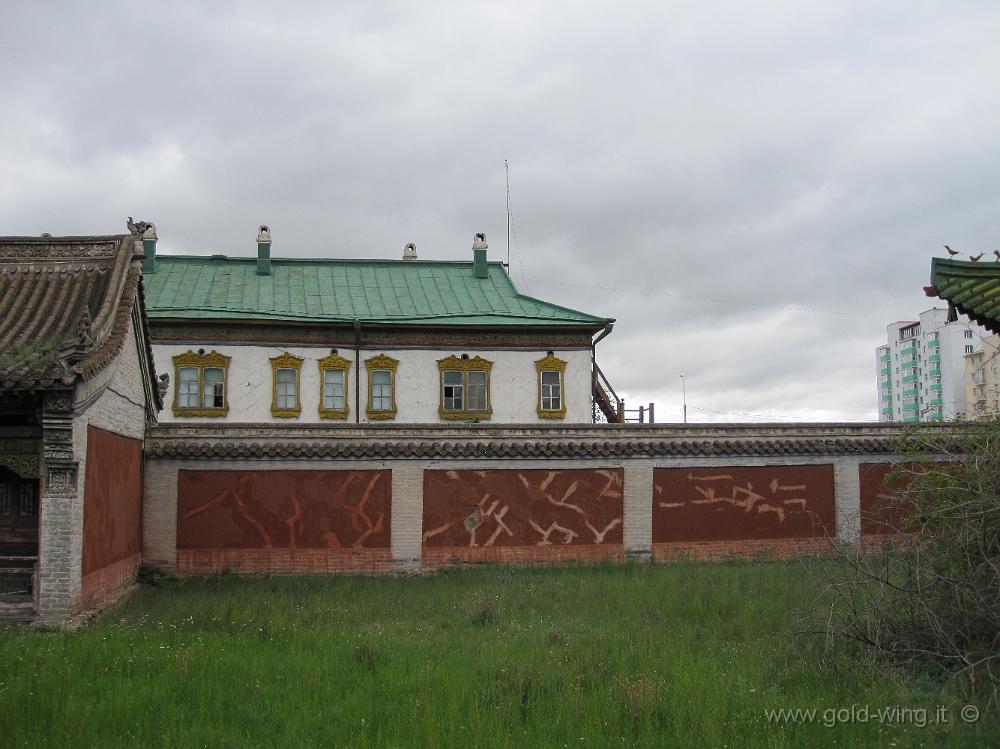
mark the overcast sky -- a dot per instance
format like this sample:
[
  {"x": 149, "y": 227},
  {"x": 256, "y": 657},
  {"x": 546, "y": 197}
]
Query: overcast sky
[{"x": 754, "y": 190}]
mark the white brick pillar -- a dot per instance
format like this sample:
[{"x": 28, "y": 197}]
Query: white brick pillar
[
  {"x": 159, "y": 513},
  {"x": 638, "y": 508},
  {"x": 406, "y": 528},
  {"x": 847, "y": 499},
  {"x": 60, "y": 545}
]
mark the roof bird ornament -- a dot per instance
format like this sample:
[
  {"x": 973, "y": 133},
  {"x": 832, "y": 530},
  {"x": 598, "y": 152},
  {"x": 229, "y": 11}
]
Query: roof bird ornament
[
  {"x": 997, "y": 254},
  {"x": 137, "y": 228},
  {"x": 950, "y": 251},
  {"x": 975, "y": 258}
]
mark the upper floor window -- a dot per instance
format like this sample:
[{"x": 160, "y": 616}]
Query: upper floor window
[
  {"x": 333, "y": 387},
  {"x": 200, "y": 384},
  {"x": 465, "y": 388},
  {"x": 968, "y": 349},
  {"x": 285, "y": 371},
  {"x": 968, "y": 333},
  {"x": 551, "y": 396},
  {"x": 381, "y": 387}
]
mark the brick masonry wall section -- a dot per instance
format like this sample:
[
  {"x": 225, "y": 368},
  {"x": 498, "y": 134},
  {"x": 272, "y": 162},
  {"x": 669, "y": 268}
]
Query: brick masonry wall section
[
  {"x": 720, "y": 551},
  {"x": 407, "y": 514},
  {"x": 159, "y": 512},
  {"x": 740, "y": 503},
  {"x": 105, "y": 585},
  {"x": 283, "y": 520},
  {"x": 477, "y": 515},
  {"x": 638, "y": 518}
]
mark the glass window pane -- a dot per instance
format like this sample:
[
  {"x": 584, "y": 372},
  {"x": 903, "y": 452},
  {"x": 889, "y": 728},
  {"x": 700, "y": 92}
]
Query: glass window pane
[
  {"x": 213, "y": 387},
  {"x": 187, "y": 387},
  {"x": 285, "y": 396},
  {"x": 477, "y": 391},
  {"x": 381, "y": 390},
  {"x": 551, "y": 390},
  {"x": 453, "y": 394},
  {"x": 550, "y": 378},
  {"x": 333, "y": 389}
]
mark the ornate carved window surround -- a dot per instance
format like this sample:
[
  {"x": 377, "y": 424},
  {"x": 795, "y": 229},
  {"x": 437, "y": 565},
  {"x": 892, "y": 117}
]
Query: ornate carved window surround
[
  {"x": 201, "y": 361},
  {"x": 381, "y": 364},
  {"x": 463, "y": 367},
  {"x": 280, "y": 408},
  {"x": 340, "y": 367},
  {"x": 551, "y": 388}
]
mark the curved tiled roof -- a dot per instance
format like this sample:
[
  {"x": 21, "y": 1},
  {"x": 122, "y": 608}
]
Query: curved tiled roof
[
  {"x": 65, "y": 306},
  {"x": 971, "y": 288},
  {"x": 524, "y": 441}
]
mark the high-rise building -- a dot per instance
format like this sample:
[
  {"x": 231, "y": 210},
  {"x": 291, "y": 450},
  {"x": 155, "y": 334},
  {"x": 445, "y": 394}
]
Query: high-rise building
[
  {"x": 921, "y": 368},
  {"x": 982, "y": 379}
]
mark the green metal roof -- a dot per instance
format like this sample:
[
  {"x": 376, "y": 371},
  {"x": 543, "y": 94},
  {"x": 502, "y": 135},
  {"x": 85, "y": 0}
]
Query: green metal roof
[
  {"x": 971, "y": 288},
  {"x": 403, "y": 292}
]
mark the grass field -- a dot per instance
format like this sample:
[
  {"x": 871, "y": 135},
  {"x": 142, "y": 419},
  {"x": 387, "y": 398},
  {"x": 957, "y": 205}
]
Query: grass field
[{"x": 679, "y": 655}]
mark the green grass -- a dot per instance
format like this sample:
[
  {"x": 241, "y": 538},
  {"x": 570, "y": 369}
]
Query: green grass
[{"x": 679, "y": 655}]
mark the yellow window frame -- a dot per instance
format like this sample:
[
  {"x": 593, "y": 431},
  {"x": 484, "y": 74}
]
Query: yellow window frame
[
  {"x": 551, "y": 363},
  {"x": 201, "y": 361},
  {"x": 286, "y": 361},
  {"x": 379, "y": 363},
  {"x": 475, "y": 364},
  {"x": 336, "y": 363}
]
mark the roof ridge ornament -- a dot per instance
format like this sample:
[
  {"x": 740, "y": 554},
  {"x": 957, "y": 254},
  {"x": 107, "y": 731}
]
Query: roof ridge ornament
[{"x": 138, "y": 229}]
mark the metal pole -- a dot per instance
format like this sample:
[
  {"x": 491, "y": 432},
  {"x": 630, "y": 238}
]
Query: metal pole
[{"x": 685, "y": 399}]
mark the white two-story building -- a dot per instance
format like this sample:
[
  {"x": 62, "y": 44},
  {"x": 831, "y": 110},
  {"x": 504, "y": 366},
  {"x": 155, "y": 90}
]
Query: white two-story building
[{"x": 262, "y": 339}]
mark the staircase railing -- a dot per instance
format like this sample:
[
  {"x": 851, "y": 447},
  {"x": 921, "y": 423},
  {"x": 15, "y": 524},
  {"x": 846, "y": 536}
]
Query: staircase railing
[{"x": 607, "y": 399}]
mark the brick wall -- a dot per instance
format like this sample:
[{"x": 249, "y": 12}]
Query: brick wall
[{"x": 571, "y": 493}]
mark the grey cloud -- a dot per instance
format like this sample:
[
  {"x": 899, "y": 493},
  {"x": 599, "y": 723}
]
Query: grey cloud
[{"x": 807, "y": 155}]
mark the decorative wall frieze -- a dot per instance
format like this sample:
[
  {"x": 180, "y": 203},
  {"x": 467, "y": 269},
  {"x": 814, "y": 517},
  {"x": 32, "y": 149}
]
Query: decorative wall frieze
[
  {"x": 25, "y": 466},
  {"x": 343, "y": 336},
  {"x": 33, "y": 247},
  {"x": 57, "y": 426},
  {"x": 61, "y": 479}
]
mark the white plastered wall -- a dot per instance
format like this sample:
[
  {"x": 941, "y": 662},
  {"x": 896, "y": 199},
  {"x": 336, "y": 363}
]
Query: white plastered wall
[{"x": 513, "y": 385}]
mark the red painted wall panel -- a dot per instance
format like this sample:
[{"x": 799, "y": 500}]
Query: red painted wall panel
[
  {"x": 537, "y": 508},
  {"x": 881, "y": 515},
  {"x": 112, "y": 499},
  {"x": 735, "y": 503},
  {"x": 283, "y": 509}
]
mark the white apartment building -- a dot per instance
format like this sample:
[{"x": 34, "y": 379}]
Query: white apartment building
[{"x": 921, "y": 368}]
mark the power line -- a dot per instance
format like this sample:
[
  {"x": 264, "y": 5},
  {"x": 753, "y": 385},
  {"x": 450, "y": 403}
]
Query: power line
[
  {"x": 513, "y": 227},
  {"x": 687, "y": 297}
]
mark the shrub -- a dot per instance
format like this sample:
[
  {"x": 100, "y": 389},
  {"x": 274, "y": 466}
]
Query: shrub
[{"x": 933, "y": 596}]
